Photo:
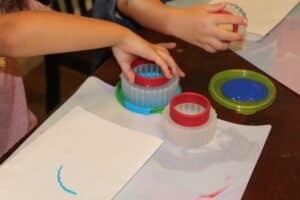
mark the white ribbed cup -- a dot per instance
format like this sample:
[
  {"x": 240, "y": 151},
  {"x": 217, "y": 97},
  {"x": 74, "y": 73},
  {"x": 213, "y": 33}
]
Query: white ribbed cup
[{"x": 191, "y": 137}]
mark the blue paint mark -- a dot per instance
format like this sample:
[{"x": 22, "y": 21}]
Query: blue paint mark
[
  {"x": 61, "y": 183},
  {"x": 245, "y": 90},
  {"x": 151, "y": 74}
]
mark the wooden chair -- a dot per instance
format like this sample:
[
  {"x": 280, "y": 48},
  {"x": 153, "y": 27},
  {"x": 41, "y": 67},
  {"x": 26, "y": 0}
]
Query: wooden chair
[{"x": 83, "y": 61}]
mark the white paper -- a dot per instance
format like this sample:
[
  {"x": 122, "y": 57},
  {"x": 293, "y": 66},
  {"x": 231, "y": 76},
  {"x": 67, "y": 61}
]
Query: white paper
[
  {"x": 81, "y": 157},
  {"x": 278, "y": 54},
  {"x": 174, "y": 172}
]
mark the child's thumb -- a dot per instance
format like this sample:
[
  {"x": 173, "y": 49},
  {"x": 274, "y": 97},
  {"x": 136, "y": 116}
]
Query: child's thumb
[{"x": 215, "y": 7}]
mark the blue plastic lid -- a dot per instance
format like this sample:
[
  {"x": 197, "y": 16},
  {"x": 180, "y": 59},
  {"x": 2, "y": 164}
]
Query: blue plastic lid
[{"x": 244, "y": 90}]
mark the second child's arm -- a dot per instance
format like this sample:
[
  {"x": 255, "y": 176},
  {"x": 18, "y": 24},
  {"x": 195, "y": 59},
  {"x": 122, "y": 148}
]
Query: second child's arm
[{"x": 197, "y": 24}]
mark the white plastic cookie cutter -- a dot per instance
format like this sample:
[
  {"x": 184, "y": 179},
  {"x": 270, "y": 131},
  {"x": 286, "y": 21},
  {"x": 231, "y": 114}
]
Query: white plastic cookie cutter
[
  {"x": 151, "y": 90},
  {"x": 189, "y": 120}
]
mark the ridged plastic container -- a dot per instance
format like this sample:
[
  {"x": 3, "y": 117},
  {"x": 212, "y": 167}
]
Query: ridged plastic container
[
  {"x": 186, "y": 132},
  {"x": 157, "y": 94}
]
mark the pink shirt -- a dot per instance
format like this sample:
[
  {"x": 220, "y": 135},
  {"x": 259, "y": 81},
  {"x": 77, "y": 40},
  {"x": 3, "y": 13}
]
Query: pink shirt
[{"x": 16, "y": 120}]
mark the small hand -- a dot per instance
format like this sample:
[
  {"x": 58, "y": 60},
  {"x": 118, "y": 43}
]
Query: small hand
[
  {"x": 199, "y": 25},
  {"x": 133, "y": 46}
]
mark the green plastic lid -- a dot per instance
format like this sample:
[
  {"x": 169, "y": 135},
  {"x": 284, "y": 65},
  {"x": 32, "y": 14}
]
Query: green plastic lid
[{"x": 244, "y": 107}]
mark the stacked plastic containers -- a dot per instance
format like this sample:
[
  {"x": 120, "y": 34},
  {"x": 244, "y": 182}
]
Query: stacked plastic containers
[
  {"x": 151, "y": 90},
  {"x": 188, "y": 118}
]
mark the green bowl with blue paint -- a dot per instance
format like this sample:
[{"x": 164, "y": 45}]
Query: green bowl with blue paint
[{"x": 244, "y": 91}]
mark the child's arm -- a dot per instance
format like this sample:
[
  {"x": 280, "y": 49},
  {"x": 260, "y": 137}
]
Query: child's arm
[
  {"x": 196, "y": 24},
  {"x": 31, "y": 33}
]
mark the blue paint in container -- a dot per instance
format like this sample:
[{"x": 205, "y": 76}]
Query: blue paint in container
[{"x": 244, "y": 90}]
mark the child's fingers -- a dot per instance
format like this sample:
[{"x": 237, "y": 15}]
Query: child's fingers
[
  {"x": 215, "y": 7},
  {"x": 206, "y": 44},
  {"x": 229, "y": 19},
  {"x": 208, "y": 48},
  {"x": 227, "y": 35},
  {"x": 217, "y": 44},
  {"x": 170, "y": 62},
  {"x": 172, "y": 45},
  {"x": 180, "y": 72},
  {"x": 168, "y": 45},
  {"x": 126, "y": 69},
  {"x": 163, "y": 65},
  {"x": 149, "y": 52}
]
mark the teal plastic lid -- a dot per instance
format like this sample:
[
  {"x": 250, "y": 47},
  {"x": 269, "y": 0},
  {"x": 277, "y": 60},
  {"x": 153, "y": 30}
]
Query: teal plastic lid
[
  {"x": 135, "y": 108},
  {"x": 220, "y": 80}
]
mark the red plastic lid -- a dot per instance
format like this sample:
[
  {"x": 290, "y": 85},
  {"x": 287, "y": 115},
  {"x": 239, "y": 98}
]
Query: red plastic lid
[
  {"x": 189, "y": 120},
  {"x": 147, "y": 81},
  {"x": 235, "y": 27}
]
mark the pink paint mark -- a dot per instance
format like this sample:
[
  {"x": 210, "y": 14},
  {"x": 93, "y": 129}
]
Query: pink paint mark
[
  {"x": 214, "y": 194},
  {"x": 228, "y": 178}
]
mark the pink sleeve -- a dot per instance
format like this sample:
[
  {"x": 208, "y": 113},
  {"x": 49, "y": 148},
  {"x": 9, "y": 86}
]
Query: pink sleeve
[{"x": 15, "y": 118}]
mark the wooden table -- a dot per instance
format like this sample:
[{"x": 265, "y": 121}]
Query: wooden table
[{"x": 277, "y": 173}]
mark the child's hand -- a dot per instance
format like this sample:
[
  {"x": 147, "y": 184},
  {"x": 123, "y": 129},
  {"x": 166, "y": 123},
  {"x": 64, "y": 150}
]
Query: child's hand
[
  {"x": 132, "y": 46},
  {"x": 199, "y": 25}
]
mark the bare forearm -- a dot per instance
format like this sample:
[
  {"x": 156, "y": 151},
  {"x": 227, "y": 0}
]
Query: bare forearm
[
  {"x": 36, "y": 33},
  {"x": 152, "y": 14},
  {"x": 198, "y": 24}
]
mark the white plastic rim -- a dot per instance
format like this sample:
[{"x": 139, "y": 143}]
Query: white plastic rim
[
  {"x": 149, "y": 97},
  {"x": 190, "y": 137}
]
